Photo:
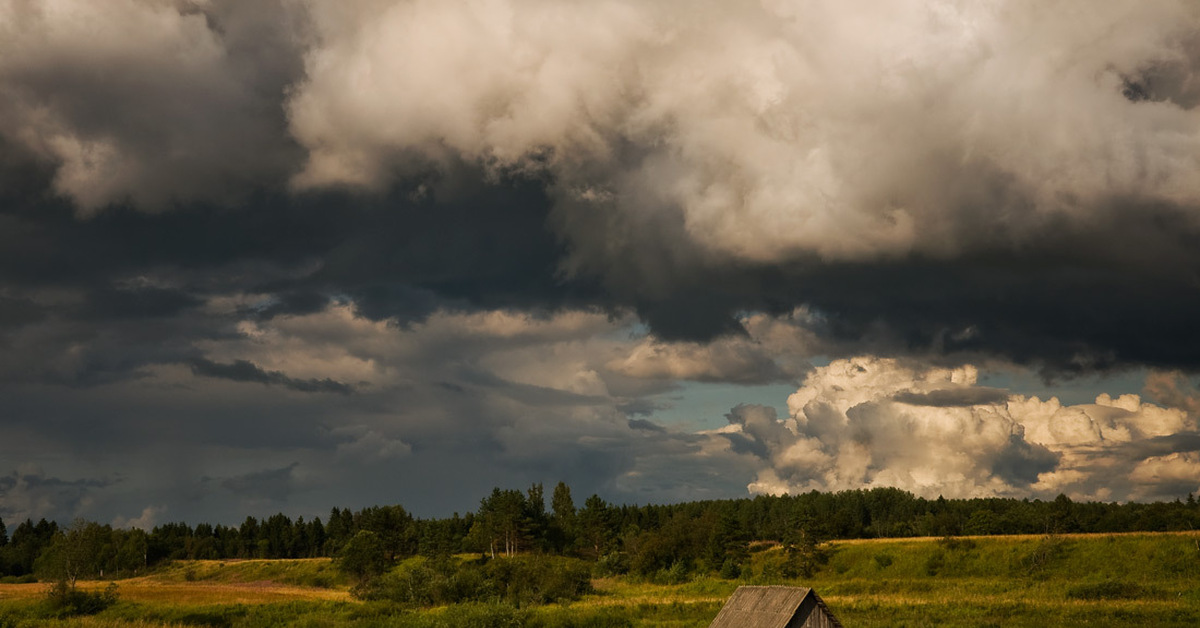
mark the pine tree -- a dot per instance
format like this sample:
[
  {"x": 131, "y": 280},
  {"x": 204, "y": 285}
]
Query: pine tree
[
  {"x": 563, "y": 506},
  {"x": 562, "y": 522}
]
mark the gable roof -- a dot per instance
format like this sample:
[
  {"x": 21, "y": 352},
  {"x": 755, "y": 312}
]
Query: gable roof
[{"x": 765, "y": 607}]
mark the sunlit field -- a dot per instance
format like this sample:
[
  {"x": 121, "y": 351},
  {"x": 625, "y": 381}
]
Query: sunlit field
[{"x": 1078, "y": 580}]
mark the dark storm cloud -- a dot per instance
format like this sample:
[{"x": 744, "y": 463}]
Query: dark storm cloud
[
  {"x": 988, "y": 269},
  {"x": 1073, "y": 299},
  {"x": 392, "y": 257},
  {"x": 18, "y": 312},
  {"x": 1163, "y": 445},
  {"x": 204, "y": 207},
  {"x": 246, "y": 371},
  {"x": 642, "y": 424},
  {"x": 1021, "y": 462},
  {"x": 919, "y": 216},
  {"x": 269, "y": 484},
  {"x": 742, "y": 445},
  {"x": 152, "y": 102},
  {"x": 536, "y": 396},
  {"x": 954, "y": 398},
  {"x": 108, "y": 303},
  {"x": 641, "y": 407},
  {"x": 30, "y": 493}
]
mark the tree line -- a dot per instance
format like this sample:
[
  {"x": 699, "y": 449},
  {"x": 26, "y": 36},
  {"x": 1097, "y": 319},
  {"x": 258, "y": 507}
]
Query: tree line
[{"x": 713, "y": 535}]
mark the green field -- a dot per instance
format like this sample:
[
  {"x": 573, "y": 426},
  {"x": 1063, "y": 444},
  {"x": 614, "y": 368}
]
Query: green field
[{"x": 1092, "y": 580}]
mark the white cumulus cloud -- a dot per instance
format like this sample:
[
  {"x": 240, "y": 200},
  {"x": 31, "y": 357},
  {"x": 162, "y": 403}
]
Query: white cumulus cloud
[{"x": 870, "y": 421}]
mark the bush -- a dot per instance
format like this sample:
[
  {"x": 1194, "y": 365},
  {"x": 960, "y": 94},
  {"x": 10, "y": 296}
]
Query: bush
[
  {"x": 363, "y": 559},
  {"x": 954, "y": 543},
  {"x": 539, "y": 579},
  {"x": 520, "y": 580},
  {"x": 677, "y": 574},
  {"x": 730, "y": 570},
  {"x": 935, "y": 562},
  {"x": 64, "y": 600},
  {"x": 883, "y": 561},
  {"x": 1106, "y": 590},
  {"x": 425, "y": 582},
  {"x": 612, "y": 564},
  {"x": 1049, "y": 550}
]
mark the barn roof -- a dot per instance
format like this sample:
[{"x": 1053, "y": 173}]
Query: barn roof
[{"x": 765, "y": 607}]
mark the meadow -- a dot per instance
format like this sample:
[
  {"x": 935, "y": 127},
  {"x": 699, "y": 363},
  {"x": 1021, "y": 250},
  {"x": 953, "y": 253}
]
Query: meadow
[{"x": 1148, "y": 579}]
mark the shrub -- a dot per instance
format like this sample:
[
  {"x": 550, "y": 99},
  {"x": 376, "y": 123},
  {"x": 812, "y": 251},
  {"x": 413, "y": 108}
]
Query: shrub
[
  {"x": 883, "y": 560},
  {"x": 730, "y": 570},
  {"x": 1048, "y": 550},
  {"x": 481, "y": 616},
  {"x": 539, "y": 579},
  {"x": 935, "y": 562},
  {"x": 954, "y": 543},
  {"x": 64, "y": 600},
  {"x": 677, "y": 574},
  {"x": 612, "y": 564},
  {"x": 362, "y": 559},
  {"x": 1106, "y": 590},
  {"x": 519, "y": 580}
]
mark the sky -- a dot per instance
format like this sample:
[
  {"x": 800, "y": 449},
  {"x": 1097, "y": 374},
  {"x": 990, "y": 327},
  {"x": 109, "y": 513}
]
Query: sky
[{"x": 285, "y": 255}]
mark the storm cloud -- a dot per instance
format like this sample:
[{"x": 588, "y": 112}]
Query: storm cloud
[
  {"x": 260, "y": 252},
  {"x": 246, "y": 371}
]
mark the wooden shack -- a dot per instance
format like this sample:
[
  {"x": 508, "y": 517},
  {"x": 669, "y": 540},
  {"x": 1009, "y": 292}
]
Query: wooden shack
[{"x": 775, "y": 607}]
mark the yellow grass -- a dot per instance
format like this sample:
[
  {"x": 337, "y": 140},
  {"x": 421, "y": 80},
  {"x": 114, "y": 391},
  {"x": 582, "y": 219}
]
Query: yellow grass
[
  {"x": 153, "y": 589},
  {"x": 1008, "y": 537},
  {"x": 623, "y": 592}
]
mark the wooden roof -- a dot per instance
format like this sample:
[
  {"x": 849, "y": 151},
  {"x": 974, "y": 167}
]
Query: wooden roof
[{"x": 765, "y": 607}]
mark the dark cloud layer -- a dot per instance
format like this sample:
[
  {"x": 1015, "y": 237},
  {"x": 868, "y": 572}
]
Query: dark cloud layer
[
  {"x": 246, "y": 371},
  {"x": 460, "y": 229}
]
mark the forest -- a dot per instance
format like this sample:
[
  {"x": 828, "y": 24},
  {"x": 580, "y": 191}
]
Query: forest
[{"x": 702, "y": 536}]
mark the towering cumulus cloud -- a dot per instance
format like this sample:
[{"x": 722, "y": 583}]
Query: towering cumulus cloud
[{"x": 880, "y": 422}]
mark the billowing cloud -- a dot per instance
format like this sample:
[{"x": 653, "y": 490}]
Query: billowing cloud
[
  {"x": 152, "y": 102},
  {"x": 930, "y": 177},
  {"x": 1173, "y": 389},
  {"x": 934, "y": 431},
  {"x": 1163, "y": 476},
  {"x": 519, "y": 230},
  {"x": 709, "y": 158},
  {"x": 727, "y": 359},
  {"x": 752, "y": 120}
]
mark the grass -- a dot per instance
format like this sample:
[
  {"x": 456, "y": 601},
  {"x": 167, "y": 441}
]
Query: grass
[
  {"x": 1097, "y": 580},
  {"x": 306, "y": 572}
]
